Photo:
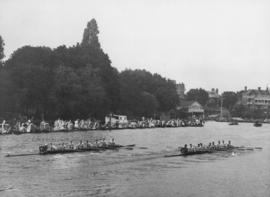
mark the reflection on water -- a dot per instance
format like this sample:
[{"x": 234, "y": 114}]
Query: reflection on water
[{"x": 143, "y": 171}]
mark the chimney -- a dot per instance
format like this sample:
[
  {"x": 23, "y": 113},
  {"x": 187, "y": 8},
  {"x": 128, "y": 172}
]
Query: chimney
[
  {"x": 245, "y": 88},
  {"x": 259, "y": 88},
  {"x": 217, "y": 90}
]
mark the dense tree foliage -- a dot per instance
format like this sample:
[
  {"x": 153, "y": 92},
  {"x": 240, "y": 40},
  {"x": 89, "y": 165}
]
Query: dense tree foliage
[
  {"x": 30, "y": 76},
  {"x": 79, "y": 82},
  {"x": 229, "y": 99},
  {"x": 250, "y": 112},
  {"x": 199, "y": 95},
  {"x": 1, "y": 50},
  {"x": 3, "y": 79},
  {"x": 143, "y": 93}
]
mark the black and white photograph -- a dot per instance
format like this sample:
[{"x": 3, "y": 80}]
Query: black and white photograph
[{"x": 134, "y": 98}]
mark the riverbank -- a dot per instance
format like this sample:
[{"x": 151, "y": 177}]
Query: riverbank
[{"x": 87, "y": 125}]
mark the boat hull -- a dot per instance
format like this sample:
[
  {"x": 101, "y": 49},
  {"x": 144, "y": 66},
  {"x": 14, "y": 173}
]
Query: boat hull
[{"x": 90, "y": 149}]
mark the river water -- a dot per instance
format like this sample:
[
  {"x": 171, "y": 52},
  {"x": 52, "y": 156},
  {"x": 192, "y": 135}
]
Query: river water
[{"x": 142, "y": 171}]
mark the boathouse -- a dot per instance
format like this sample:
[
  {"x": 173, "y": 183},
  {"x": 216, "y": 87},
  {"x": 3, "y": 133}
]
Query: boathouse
[
  {"x": 190, "y": 108},
  {"x": 119, "y": 120}
]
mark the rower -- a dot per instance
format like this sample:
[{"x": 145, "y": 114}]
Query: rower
[
  {"x": 63, "y": 146},
  {"x": 80, "y": 145},
  {"x": 71, "y": 146},
  {"x": 96, "y": 143},
  {"x": 213, "y": 145},
  {"x": 198, "y": 148},
  {"x": 219, "y": 144},
  {"x": 103, "y": 143},
  {"x": 53, "y": 147},
  {"x": 223, "y": 144},
  {"x": 192, "y": 148},
  {"x": 229, "y": 144},
  {"x": 184, "y": 150},
  {"x": 99, "y": 143},
  {"x": 88, "y": 145},
  {"x": 112, "y": 143},
  {"x": 203, "y": 147}
]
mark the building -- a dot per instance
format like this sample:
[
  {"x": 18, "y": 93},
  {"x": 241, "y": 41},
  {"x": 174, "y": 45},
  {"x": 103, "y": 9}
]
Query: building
[
  {"x": 118, "y": 120},
  {"x": 191, "y": 108},
  {"x": 180, "y": 89},
  {"x": 214, "y": 96},
  {"x": 256, "y": 98}
]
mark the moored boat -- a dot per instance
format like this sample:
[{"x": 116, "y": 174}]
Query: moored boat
[
  {"x": 257, "y": 124},
  {"x": 233, "y": 123}
]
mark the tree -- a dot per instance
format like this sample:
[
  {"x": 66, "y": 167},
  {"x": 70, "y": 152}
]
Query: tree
[
  {"x": 149, "y": 104},
  {"x": 30, "y": 79},
  {"x": 3, "y": 80},
  {"x": 79, "y": 82},
  {"x": 139, "y": 87},
  {"x": 2, "y": 55},
  {"x": 199, "y": 95},
  {"x": 90, "y": 34},
  {"x": 91, "y": 53},
  {"x": 5, "y": 97},
  {"x": 229, "y": 99}
]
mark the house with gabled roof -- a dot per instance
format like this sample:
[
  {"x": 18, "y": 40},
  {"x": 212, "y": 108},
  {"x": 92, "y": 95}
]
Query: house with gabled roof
[{"x": 191, "y": 108}]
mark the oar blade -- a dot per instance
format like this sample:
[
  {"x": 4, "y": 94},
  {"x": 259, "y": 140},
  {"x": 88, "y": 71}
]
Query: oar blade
[{"x": 173, "y": 155}]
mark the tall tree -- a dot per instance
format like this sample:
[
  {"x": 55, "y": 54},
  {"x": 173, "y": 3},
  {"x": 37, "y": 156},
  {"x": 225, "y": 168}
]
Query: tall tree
[
  {"x": 92, "y": 53},
  {"x": 199, "y": 95},
  {"x": 90, "y": 35}
]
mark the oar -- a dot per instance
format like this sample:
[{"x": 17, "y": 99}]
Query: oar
[
  {"x": 173, "y": 155},
  {"x": 249, "y": 148},
  {"x": 128, "y": 147},
  {"x": 245, "y": 148},
  {"x": 143, "y": 147},
  {"x": 20, "y": 155}
]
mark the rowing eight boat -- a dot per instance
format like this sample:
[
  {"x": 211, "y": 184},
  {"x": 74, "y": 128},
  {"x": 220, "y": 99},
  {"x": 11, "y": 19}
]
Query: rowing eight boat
[
  {"x": 86, "y": 149},
  {"x": 64, "y": 151},
  {"x": 209, "y": 151}
]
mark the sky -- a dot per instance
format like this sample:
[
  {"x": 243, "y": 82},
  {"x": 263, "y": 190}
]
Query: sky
[{"x": 206, "y": 44}]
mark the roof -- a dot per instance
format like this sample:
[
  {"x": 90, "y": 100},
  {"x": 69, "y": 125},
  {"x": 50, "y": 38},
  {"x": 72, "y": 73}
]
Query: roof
[
  {"x": 187, "y": 103},
  {"x": 256, "y": 92},
  {"x": 212, "y": 94},
  {"x": 191, "y": 106}
]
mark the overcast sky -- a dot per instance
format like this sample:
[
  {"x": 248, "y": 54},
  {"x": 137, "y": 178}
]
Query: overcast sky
[{"x": 203, "y": 43}]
